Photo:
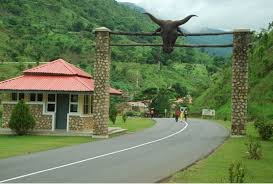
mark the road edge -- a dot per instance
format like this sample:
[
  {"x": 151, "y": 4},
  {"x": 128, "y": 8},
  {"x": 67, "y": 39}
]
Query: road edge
[{"x": 167, "y": 178}]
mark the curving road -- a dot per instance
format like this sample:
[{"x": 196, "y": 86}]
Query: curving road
[{"x": 146, "y": 156}]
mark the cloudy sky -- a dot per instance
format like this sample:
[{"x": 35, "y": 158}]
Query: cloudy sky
[{"x": 220, "y": 14}]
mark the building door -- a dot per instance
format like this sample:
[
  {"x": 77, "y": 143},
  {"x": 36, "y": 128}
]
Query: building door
[{"x": 62, "y": 110}]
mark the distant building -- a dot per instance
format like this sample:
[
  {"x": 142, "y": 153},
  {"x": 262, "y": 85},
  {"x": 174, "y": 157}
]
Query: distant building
[
  {"x": 187, "y": 100},
  {"x": 138, "y": 106},
  {"x": 59, "y": 94}
]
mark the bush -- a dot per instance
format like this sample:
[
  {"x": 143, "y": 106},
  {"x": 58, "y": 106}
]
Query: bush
[
  {"x": 264, "y": 127},
  {"x": 237, "y": 172},
  {"x": 254, "y": 149},
  {"x": 21, "y": 120},
  {"x": 113, "y": 115},
  {"x": 124, "y": 116}
]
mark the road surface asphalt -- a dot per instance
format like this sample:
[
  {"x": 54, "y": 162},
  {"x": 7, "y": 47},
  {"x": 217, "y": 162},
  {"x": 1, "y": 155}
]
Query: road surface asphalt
[{"x": 146, "y": 156}]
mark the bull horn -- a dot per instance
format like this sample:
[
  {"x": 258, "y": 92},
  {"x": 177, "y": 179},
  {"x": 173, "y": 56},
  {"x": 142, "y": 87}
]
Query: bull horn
[
  {"x": 183, "y": 21},
  {"x": 155, "y": 20}
]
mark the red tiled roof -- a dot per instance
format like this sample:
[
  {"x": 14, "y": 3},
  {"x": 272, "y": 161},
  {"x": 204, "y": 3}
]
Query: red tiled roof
[
  {"x": 54, "y": 76},
  {"x": 57, "y": 67}
]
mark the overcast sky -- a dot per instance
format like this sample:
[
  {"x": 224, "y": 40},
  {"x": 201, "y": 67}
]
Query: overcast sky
[{"x": 220, "y": 14}]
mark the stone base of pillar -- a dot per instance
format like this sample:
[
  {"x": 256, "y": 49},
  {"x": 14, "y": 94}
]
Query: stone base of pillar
[{"x": 100, "y": 136}]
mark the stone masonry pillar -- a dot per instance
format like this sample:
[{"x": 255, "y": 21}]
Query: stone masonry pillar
[
  {"x": 241, "y": 40},
  {"x": 102, "y": 84}
]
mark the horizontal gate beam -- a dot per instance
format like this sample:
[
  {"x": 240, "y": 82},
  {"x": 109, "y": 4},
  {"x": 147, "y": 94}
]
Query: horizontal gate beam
[
  {"x": 184, "y": 45},
  {"x": 179, "y": 34}
]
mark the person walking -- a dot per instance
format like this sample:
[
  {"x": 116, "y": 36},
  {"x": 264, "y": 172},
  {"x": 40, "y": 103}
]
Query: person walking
[
  {"x": 152, "y": 113},
  {"x": 181, "y": 116},
  {"x": 177, "y": 114},
  {"x": 186, "y": 114}
]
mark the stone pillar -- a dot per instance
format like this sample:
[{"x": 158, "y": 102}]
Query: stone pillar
[
  {"x": 241, "y": 40},
  {"x": 102, "y": 83}
]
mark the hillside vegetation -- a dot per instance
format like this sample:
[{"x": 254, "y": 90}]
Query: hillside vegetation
[
  {"x": 41, "y": 31},
  {"x": 260, "y": 99}
]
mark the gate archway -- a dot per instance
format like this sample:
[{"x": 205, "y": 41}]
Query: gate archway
[{"x": 241, "y": 41}]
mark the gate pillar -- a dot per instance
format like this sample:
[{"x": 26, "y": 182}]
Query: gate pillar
[
  {"x": 102, "y": 84},
  {"x": 241, "y": 40}
]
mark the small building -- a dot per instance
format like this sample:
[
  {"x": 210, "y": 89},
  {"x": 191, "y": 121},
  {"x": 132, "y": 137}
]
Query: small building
[
  {"x": 59, "y": 94},
  {"x": 138, "y": 106}
]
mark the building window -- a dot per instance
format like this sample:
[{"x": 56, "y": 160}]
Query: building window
[
  {"x": 51, "y": 98},
  {"x": 36, "y": 97},
  {"x": 32, "y": 97},
  {"x": 21, "y": 96},
  {"x": 74, "y": 103},
  {"x": 14, "y": 96},
  {"x": 51, "y": 102},
  {"x": 39, "y": 97},
  {"x": 50, "y": 107},
  {"x": 74, "y": 98},
  {"x": 86, "y": 104},
  {"x": 92, "y": 101},
  {"x": 17, "y": 96}
]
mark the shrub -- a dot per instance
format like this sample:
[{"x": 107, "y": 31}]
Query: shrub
[
  {"x": 113, "y": 115},
  {"x": 21, "y": 120},
  {"x": 254, "y": 149},
  {"x": 237, "y": 172},
  {"x": 124, "y": 116},
  {"x": 264, "y": 127}
]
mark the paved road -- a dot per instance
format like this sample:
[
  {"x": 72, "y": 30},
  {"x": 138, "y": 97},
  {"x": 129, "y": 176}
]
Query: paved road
[{"x": 147, "y": 156}]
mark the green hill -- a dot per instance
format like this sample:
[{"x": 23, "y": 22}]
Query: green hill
[
  {"x": 45, "y": 30},
  {"x": 41, "y": 31},
  {"x": 260, "y": 100},
  {"x": 135, "y": 77}
]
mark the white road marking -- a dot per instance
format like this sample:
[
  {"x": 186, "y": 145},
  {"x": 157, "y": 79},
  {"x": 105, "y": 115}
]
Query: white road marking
[{"x": 96, "y": 157}]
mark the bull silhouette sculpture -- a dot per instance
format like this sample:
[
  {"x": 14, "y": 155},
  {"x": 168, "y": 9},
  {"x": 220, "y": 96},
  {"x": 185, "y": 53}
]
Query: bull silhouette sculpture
[{"x": 169, "y": 30}]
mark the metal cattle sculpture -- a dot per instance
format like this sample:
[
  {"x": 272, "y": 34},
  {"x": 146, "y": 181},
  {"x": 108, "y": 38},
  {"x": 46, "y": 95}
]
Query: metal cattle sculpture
[{"x": 169, "y": 30}]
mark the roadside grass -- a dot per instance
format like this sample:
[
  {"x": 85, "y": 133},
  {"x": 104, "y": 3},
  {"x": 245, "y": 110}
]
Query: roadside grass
[
  {"x": 0, "y": 118},
  {"x": 214, "y": 169},
  {"x": 12, "y": 145},
  {"x": 133, "y": 124}
]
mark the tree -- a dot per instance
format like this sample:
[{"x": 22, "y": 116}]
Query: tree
[
  {"x": 21, "y": 120},
  {"x": 77, "y": 26},
  {"x": 162, "y": 101},
  {"x": 124, "y": 116},
  {"x": 113, "y": 115},
  {"x": 180, "y": 90}
]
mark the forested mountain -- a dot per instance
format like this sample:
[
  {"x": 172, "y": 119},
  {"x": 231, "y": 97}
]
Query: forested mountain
[
  {"x": 134, "y": 6},
  {"x": 260, "y": 100},
  {"x": 221, "y": 39},
  {"x": 45, "y": 30},
  {"x": 41, "y": 31}
]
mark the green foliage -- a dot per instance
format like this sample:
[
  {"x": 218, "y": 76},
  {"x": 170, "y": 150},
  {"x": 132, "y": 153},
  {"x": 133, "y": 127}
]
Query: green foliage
[
  {"x": 264, "y": 127},
  {"x": 124, "y": 117},
  {"x": 142, "y": 80},
  {"x": 113, "y": 114},
  {"x": 39, "y": 30},
  {"x": 180, "y": 90},
  {"x": 162, "y": 102},
  {"x": 21, "y": 120},
  {"x": 237, "y": 172},
  {"x": 254, "y": 149},
  {"x": 218, "y": 95}
]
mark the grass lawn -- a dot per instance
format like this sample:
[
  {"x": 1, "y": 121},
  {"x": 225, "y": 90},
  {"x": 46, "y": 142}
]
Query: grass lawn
[
  {"x": 133, "y": 124},
  {"x": 11, "y": 145},
  {"x": 214, "y": 169}
]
